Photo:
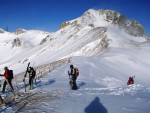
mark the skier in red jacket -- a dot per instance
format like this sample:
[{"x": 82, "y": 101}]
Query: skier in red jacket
[
  {"x": 7, "y": 79},
  {"x": 130, "y": 81}
]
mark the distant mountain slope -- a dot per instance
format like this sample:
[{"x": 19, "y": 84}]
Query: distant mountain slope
[{"x": 96, "y": 32}]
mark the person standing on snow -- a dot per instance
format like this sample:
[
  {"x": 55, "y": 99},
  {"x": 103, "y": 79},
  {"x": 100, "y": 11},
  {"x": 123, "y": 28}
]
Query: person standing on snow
[
  {"x": 8, "y": 79},
  {"x": 73, "y": 77},
  {"x": 32, "y": 74},
  {"x": 130, "y": 81}
]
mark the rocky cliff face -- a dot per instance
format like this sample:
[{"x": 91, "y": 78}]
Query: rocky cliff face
[
  {"x": 112, "y": 17},
  {"x": 130, "y": 26},
  {"x": 134, "y": 28}
]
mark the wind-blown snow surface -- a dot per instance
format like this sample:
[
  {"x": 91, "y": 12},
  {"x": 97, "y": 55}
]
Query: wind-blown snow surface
[{"x": 105, "y": 55}]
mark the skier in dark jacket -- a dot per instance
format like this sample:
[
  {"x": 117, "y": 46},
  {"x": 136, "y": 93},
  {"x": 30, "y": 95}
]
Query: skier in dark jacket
[
  {"x": 73, "y": 77},
  {"x": 7, "y": 79},
  {"x": 32, "y": 74}
]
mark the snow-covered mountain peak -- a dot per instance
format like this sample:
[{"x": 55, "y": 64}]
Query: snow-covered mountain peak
[{"x": 105, "y": 18}]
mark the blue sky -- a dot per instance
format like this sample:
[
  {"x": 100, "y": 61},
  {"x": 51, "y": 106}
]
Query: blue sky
[{"x": 48, "y": 15}]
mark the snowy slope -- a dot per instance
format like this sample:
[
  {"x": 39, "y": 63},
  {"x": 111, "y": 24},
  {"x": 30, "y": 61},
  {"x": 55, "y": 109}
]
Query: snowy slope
[
  {"x": 100, "y": 90},
  {"x": 105, "y": 54}
]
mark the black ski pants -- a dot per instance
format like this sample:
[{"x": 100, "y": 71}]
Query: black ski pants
[
  {"x": 31, "y": 81},
  {"x": 9, "y": 83}
]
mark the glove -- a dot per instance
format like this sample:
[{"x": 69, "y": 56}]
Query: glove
[{"x": 23, "y": 79}]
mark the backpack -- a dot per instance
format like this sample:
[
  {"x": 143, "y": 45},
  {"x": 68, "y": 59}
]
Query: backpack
[
  {"x": 76, "y": 71},
  {"x": 10, "y": 73},
  {"x": 33, "y": 72}
]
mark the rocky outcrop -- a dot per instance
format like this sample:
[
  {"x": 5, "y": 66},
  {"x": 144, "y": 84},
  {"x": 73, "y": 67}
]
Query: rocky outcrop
[
  {"x": 65, "y": 24},
  {"x": 73, "y": 23},
  {"x": 134, "y": 28},
  {"x": 1, "y": 30},
  {"x": 19, "y": 31},
  {"x": 16, "y": 42},
  {"x": 45, "y": 39},
  {"x": 113, "y": 17}
]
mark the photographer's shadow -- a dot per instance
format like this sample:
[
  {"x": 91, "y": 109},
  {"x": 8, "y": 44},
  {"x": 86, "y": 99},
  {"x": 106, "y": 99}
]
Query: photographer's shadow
[{"x": 95, "y": 107}]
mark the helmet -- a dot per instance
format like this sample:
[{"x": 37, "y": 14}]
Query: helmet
[{"x": 71, "y": 66}]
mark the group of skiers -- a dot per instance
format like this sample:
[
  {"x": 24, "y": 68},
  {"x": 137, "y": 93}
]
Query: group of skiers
[
  {"x": 73, "y": 74},
  {"x": 8, "y": 76}
]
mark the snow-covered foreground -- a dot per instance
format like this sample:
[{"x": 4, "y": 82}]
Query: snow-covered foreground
[
  {"x": 96, "y": 93},
  {"x": 95, "y": 96}
]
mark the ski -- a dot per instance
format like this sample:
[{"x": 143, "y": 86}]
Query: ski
[
  {"x": 25, "y": 76},
  {"x": 15, "y": 95},
  {"x": 71, "y": 82}
]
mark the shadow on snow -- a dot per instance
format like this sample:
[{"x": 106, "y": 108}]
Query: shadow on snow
[
  {"x": 39, "y": 84},
  {"x": 95, "y": 107},
  {"x": 81, "y": 84}
]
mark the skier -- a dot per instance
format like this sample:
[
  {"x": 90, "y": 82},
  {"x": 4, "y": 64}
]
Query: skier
[
  {"x": 130, "y": 81},
  {"x": 32, "y": 74},
  {"x": 73, "y": 77},
  {"x": 8, "y": 79}
]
